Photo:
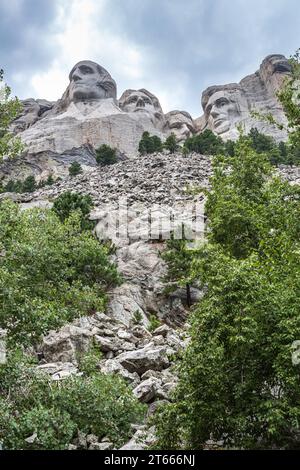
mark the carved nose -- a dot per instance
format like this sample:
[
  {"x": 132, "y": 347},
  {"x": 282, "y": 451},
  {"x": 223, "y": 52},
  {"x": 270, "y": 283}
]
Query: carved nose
[
  {"x": 76, "y": 77},
  {"x": 140, "y": 103},
  {"x": 214, "y": 112}
]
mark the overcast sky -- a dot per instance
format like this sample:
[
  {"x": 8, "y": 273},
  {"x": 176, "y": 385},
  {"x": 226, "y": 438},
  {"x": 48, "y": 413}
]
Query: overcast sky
[{"x": 174, "y": 48}]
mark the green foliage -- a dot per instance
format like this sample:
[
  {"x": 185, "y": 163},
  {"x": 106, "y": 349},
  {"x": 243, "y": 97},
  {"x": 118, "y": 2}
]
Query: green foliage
[
  {"x": 178, "y": 258},
  {"x": 237, "y": 380},
  {"x": 69, "y": 202},
  {"x": 150, "y": 144},
  {"x": 51, "y": 416},
  {"x": 29, "y": 184},
  {"x": 206, "y": 143},
  {"x": 154, "y": 323},
  {"x": 289, "y": 97},
  {"x": 50, "y": 271},
  {"x": 137, "y": 317},
  {"x": 105, "y": 155},
  {"x": 10, "y": 108},
  {"x": 75, "y": 169},
  {"x": 171, "y": 143}
]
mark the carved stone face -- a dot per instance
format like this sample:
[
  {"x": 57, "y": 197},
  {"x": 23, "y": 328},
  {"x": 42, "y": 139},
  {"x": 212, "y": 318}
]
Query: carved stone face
[
  {"x": 90, "y": 81},
  {"x": 181, "y": 124},
  {"x": 32, "y": 111},
  {"x": 133, "y": 101},
  {"x": 224, "y": 109}
]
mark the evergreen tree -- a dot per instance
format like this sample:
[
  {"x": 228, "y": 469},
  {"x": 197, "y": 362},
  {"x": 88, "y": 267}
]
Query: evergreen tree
[
  {"x": 206, "y": 143},
  {"x": 150, "y": 144},
  {"x": 75, "y": 169},
  {"x": 105, "y": 155},
  {"x": 29, "y": 185},
  {"x": 69, "y": 202},
  {"x": 171, "y": 143}
]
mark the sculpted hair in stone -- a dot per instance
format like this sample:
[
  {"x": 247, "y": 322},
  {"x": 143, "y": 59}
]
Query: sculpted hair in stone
[
  {"x": 106, "y": 81},
  {"x": 231, "y": 88}
]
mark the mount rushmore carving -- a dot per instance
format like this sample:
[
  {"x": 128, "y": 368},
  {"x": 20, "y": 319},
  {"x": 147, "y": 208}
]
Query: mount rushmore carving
[{"x": 89, "y": 114}]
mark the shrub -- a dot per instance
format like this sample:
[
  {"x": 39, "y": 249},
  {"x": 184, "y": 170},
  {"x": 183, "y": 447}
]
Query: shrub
[
  {"x": 51, "y": 272},
  {"x": 150, "y": 144},
  {"x": 36, "y": 414},
  {"x": 69, "y": 202},
  {"x": 105, "y": 155},
  {"x": 29, "y": 185},
  {"x": 206, "y": 143},
  {"x": 154, "y": 323},
  {"x": 171, "y": 143},
  {"x": 75, "y": 169}
]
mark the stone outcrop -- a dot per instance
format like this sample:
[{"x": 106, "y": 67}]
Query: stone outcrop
[{"x": 57, "y": 133}]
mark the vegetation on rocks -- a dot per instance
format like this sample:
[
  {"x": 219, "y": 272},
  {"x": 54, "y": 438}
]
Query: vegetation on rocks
[
  {"x": 75, "y": 169},
  {"x": 51, "y": 271},
  {"x": 238, "y": 383},
  {"x": 10, "y": 108},
  {"x": 36, "y": 414},
  {"x": 105, "y": 155},
  {"x": 150, "y": 144}
]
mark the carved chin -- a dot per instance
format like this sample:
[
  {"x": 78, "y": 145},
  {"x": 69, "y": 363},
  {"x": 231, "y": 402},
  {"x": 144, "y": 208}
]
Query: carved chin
[
  {"x": 82, "y": 94},
  {"x": 221, "y": 127}
]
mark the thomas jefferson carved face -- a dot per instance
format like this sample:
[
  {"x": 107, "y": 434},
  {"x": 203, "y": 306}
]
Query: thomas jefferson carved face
[
  {"x": 223, "y": 108},
  {"x": 89, "y": 81},
  {"x": 181, "y": 124}
]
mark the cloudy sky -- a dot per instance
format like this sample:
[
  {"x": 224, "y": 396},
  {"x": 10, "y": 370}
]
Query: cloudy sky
[{"x": 174, "y": 48}]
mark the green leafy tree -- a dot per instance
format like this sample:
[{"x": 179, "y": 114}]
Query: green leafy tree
[
  {"x": 29, "y": 184},
  {"x": 50, "y": 271},
  {"x": 51, "y": 416},
  {"x": 171, "y": 143},
  {"x": 178, "y": 258},
  {"x": 75, "y": 169},
  {"x": 69, "y": 202},
  {"x": 10, "y": 108},
  {"x": 150, "y": 144},
  {"x": 237, "y": 381},
  {"x": 206, "y": 143},
  {"x": 105, "y": 155}
]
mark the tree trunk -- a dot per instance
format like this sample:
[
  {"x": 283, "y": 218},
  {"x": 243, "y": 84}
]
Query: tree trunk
[{"x": 188, "y": 295}]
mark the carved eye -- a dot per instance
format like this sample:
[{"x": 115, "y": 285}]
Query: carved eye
[
  {"x": 133, "y": 99},
  {"x": 221, "y": 102},
  {"x": 85, "y": 70}
]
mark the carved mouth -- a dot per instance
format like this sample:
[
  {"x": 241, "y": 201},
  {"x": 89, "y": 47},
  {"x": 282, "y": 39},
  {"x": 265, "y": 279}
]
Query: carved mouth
[{"x": 219, "y": 121}]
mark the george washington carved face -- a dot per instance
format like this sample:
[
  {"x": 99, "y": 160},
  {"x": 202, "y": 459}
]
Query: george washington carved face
[{"x": 90, "y": 81}]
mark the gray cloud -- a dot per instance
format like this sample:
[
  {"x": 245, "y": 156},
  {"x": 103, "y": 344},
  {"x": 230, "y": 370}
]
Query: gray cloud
[
  {"x": 187, "y": 45},
  {"x": 27, "y": 28}
]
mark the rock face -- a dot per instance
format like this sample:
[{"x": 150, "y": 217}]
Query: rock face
[
  {"x": 88, "y": 114},
  {"x": 227, "y": 106}
]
